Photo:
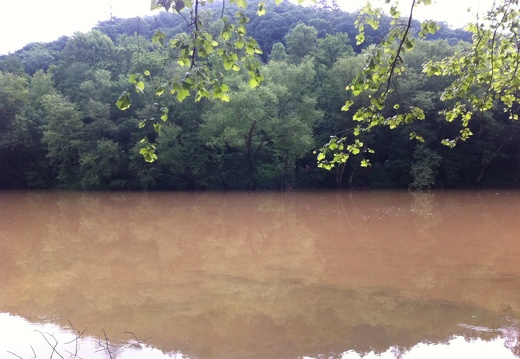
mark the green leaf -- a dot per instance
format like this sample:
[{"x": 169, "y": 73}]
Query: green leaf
[
  {"x": 347, "y": 105},
  {"x": 449, "y": 143},
  {"x": 432, "y": 27},
  {"x": 132, "y": 78},
  {"x": 253, "y": 82},
  {"x": 225, "y": 34},
  {"x": 354, "y": 150},
  {"x": 139, "y": 86},
  {"x": 333, "y": 146},
  {"x": 261, "y": 9},
  {"x": 123, "y": 102},
  {"x": 365, "y": 163},
  {"x": 154, "y": 5},
  {"x": 148, "y": 153},
  {"x": 357, "y": 88},
  {"x": 414, "y": 135},
  {"x": 360, "y": 38},
  {"x": 408, "y": 44},
  {"x": 158, "y": 37},
  {"x": 450, "y": 116},
  {"x": 241, "y": 3},
  {"x": 181, "y": 92},
  {"x": 179, "y": 5}
]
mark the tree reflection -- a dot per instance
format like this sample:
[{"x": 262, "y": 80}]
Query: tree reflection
[
  {"x": 512, "y": 338},
  {"x": 255, "y": 275}
]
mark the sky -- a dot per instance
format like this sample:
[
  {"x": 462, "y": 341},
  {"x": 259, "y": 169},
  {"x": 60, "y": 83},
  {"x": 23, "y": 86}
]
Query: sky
[{"x": 23, "y": 22}]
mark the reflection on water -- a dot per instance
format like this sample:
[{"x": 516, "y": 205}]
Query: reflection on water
[{"x": 263, "y": 275}]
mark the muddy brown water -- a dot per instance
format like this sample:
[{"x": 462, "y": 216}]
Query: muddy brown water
[{"x": 389, "y": 274}]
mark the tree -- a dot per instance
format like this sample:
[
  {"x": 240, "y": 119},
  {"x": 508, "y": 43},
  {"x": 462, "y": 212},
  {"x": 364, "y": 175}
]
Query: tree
[
  {"x": 278, "y": 52},
  {"x": 482, "y": 77},
  {"x": 64, "y": 137},
  {"x": 93, "y": 48},
  {"x": 425, "y": 167},
  {"x": 494, "y": 46},
  {"x": 100, "y": 165},
  {"x": 25, "y": 136},
  {"x": 235, "y": 49},
  {"x": 332, "y": 47},
  {"x": 13, "y": 93},
  {"x": 257, "y": 146},
  {"x": 301, "y": 41},
  {"x": 36, "y": 57}
]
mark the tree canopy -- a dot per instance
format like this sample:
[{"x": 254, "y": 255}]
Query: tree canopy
[{"x": 248, "y": 101}]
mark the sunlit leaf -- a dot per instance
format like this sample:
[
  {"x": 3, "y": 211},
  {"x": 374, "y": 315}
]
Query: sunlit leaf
[
  {"x": 123, "y": 102},
  {"x": 179, "y": 5}
]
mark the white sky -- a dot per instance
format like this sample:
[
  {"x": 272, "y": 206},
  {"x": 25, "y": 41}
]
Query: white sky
[
  {"x": 22, "y": 22},
  {"x": 457, "y": 13}
]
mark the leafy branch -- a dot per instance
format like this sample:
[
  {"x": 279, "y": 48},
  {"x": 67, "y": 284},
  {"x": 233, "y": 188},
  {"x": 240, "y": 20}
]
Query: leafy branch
[
  {"x": 375, "y": 80},
  {"x": 235, "y": 49},
  {"x": 486, "y": 74}
]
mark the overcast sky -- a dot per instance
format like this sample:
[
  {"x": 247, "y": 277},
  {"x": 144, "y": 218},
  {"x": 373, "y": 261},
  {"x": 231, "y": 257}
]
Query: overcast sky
[{"x": 22, "y": 22}]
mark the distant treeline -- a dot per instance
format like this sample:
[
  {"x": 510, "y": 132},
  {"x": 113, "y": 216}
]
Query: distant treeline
[{"x": 61, "y": 128}]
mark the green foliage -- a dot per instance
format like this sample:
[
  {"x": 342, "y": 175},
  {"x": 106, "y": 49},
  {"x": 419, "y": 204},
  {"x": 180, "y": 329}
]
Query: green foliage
[
  {"x": 100, "y": 165},
  {"x": 232, "y": 44},
  {"x": 486, "y": 75},
  {"x": 256, "y": 127},
  {"x": 337, "y": 151},
  {"x": 424, "y": 168},
  {"x": 278, "y": 52},
  {"x": 62, "y": 135},
  {"x": 93, "y": 48},
  {"x": 148, "y": 151},
  {"x": 13, "y": 91},
  {"x": 301, "y": 41},
  {"x": 333, "y": 47},
  {"x": 274, "y": 127}
]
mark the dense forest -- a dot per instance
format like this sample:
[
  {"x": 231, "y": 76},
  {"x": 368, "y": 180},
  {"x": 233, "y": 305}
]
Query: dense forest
[{"x": 62, "y": 129}]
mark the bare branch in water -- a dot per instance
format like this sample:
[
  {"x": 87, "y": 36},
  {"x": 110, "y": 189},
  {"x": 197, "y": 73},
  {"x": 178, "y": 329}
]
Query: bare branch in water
[
  {"x": 16, "y": 355},
  {"x": 104, "y": 345},
  {"x": 52, "y": 346},
  {"x": 107, "y": 343},
  {"x": 138, "y": 342},
  {"x": 77, "y": 337}
]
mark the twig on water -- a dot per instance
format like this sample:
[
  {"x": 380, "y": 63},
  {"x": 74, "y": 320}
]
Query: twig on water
[
  {"x": 107, "y": 343},
  {"x": 52, "y": 346},
  {"x": 77, "y": 337},
  {"x": 16, "y": 355},
  {"x": 137, "y": 343}
]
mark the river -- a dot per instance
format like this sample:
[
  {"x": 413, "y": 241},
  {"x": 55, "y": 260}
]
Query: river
[{"x": 199, "y": 275}]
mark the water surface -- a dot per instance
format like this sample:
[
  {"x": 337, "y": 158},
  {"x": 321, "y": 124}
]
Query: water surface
[{"x": 260, "y": 275}]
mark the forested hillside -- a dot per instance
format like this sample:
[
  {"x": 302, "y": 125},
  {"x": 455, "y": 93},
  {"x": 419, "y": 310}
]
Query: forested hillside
[{"x": 62, "y": 129}]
